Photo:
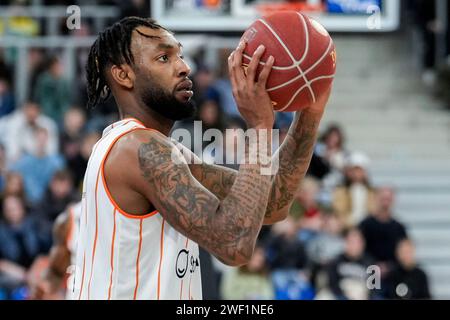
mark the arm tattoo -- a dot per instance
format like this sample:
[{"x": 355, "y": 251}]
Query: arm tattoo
[
  {"x": 227, "y": 228},
  {"x": 294, "y": 158}
]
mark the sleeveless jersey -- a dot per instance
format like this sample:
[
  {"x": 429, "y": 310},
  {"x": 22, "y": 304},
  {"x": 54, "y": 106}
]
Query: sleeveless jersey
[{"x": 126, "y": 256}]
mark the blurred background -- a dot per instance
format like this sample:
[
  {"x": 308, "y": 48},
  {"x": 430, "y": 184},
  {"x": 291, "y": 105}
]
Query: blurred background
[{"x": 378, "y": 188}]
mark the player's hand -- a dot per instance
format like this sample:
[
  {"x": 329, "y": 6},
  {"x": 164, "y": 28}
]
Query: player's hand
[
  {"x": 318, "y": 107},
  {"x": 249, "y": 91}
]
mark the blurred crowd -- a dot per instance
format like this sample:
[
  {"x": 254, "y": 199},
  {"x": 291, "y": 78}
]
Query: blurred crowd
[{"x": 340, "y": 241}]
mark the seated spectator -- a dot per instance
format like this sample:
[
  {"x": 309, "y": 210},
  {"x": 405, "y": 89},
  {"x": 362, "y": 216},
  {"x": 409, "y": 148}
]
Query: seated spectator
[
  {"x": 407, "y": 280},
  {"x": 72, "y": 133},
  {"x": 77, "y": 165},
  {"x": 52, "y": 90},
  {"x": 324, "y": 247},
  {"x": 59, "y": 195},
  {"x": 220, "y": 90},
  {"x": 249, "y": 282},
  {"x": 329, "y": 156},
  {"x": 347, "y": 273},
  {"x": 14, "y": 186},
  {"x": 284, "y": 249},
  {"x": 19, "y": 244},
  {"x": 382, "y": 232},
  {"x": 38, "y": 168},
  {"x": 355, "y": 198},
  {"x": 18, "y": 132},
  {"x": 7, "y": 101}
]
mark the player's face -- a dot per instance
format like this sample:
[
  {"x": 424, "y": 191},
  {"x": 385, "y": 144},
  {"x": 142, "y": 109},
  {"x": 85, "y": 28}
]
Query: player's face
[{"x": 162, "y": 82}]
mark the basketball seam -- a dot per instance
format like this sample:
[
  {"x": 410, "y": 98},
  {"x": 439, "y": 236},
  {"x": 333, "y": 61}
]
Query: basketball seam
[
  {"x": 306, "y": 72},
  {"x": 294, "y": 61},
  {"x": 303, "y": 87}
]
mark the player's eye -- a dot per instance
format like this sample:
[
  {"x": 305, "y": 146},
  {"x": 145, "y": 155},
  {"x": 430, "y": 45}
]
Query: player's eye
[{"x": 164, "y": 58}]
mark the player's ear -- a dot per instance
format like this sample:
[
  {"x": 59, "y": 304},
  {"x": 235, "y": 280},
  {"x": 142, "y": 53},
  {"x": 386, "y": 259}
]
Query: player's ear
[{"x": 123, "y": 75}]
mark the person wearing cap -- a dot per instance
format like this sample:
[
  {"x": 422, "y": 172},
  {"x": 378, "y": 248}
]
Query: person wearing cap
[{"x": 355, "y": 198}]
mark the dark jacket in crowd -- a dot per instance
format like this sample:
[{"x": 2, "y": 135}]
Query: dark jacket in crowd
[
  {"x": 382, "y": 237},
  {"x": 286, "y": 253},
  {"x": 346, "y": 268},
  {"x": 407, "y": 284},
  {"x": 19, "y": 244}
]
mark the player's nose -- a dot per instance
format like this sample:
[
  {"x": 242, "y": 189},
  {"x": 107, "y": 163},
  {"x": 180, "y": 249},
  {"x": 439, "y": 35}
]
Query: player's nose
[{"x": 183, "y": 69}]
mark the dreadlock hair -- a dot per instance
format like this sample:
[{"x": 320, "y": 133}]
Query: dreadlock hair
[{"x": 112, "y": 47}]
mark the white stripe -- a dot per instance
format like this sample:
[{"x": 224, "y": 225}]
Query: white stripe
[
  {"x": 290, "y": 54},
  {"x": 306, "y": 72},
  {"x": 303, "y": 87}
]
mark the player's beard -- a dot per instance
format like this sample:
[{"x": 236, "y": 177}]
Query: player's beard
[{"x": 165, "y": 103}]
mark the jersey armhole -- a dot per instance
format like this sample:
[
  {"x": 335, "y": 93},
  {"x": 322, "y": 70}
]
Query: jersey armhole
[{"x": 105, "y": 186}]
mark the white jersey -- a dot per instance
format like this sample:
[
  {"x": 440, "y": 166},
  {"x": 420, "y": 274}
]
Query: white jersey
[
  {"x": 125, "y": 256},
  {"x": 74, "y": 212}
]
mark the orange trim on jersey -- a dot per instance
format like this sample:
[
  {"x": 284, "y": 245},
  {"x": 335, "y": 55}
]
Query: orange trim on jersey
[
  {"x": 95, "y": 235},
  {"x": 102, "y": 169},
  {"x": 161, "y": 253},
  {"x": 136, "y": 120},
  {"x": 71, "y": 224},
  {"x": 137, "y": 260},
  {"x": 112, "y": 255},
  {"x": 82, "y": 275}
]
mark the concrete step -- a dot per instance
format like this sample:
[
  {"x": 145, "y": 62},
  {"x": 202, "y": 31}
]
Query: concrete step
[{"x": 424, "y": 218}]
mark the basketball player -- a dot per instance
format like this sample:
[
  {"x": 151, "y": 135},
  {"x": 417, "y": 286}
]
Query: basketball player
[
  {"x": 62, "y": 254},
  {"x": 144, "y": 209}
]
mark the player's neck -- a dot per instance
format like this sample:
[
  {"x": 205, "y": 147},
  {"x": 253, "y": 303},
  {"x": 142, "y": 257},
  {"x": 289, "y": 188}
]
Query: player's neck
[{"x": 150, "y": 119}]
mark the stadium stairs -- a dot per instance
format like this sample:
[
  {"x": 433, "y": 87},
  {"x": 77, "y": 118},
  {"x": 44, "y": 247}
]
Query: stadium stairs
[{"x": 386, "y": 112}]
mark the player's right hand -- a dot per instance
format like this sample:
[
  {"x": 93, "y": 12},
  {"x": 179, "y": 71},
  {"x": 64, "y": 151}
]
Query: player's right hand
[{"x": 249, "y": 91}]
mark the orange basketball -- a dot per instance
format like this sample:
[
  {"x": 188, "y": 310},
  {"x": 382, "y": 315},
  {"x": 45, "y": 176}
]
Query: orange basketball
[{"x": 305, "y": 58}]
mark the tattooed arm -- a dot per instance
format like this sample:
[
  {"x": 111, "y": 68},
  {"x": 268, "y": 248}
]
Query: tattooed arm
[
  {"x": 227, "y": 228},
  {"x": 294, "y": 158}
]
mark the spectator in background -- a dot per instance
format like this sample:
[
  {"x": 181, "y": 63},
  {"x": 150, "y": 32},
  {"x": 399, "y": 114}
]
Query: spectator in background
[
  {"x": 355, "y": 198},
  {"x": 14, "y": 186},
  {"x": 324, "y": 247},
  {"x": 19, "y": 244},
  {"x": 347, "y": 274},
  {"x": 77, "y": 165},
  {"x": 328, "y": 157},
  {"x": 7, "y": 101},
  {"x": 72, "y": 133},
  {"x": 284, "y": 250},
  {"x": 220, "y": 89},
  {"x": 382, "y": 232},
  {"x": 38, "y": 168},
  {"x": 18, "y": 132},
  {"x": 59, "y": 195},
  {"x": 249, "y": 282},
  {"x": 52, "y": 90},
  {"x": 407, "y": 280}
]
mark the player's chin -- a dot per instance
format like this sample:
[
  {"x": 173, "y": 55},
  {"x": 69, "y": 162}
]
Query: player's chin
[{"x": 184, "y": 95}]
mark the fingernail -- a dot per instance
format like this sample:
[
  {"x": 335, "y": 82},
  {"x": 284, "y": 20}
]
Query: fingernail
[
  {"x": 261, "y": 47},
  {"x": 271, "y": 59}
]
